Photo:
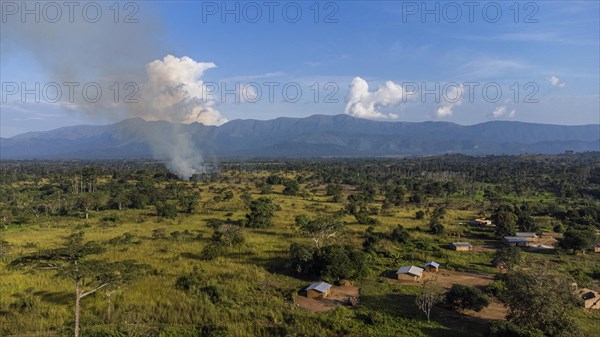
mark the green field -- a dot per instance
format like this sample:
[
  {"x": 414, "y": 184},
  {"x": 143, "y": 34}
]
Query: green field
[{"x": 252, "y": 287}]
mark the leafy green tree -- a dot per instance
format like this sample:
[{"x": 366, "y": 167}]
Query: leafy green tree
[
  {"x": 166, "y": 210},
  {"x": 261, "y": 213},
  {"x": 246, "y": 198},
  {"x": 363, "y": 218},
  {"x": 340, "y": 262},
  {"x": 228, "y": 235},
  {"x": 86, "y": 202},
  {"x": 399, "y": 235},
  {"x": 541, "y": 301},
  {"x": 461, "y": 297},
  {"x": 525, "y": 222},
  {"x": 320, "y": 230},
  {"x": 265, "y": 188},
  {"x": 301, "y": 258},
  {"x": 508, "y": 257},
  {"x": 189, "y": 202},
  {"x": 436, "y": 227},
  {"x": 334, "y": 191},
  {"x": 419, "y": 215},
  {"x": 121, "y": 199},
  {"x": 578, "y": 238},
  {"x": 291, "y": 187},
  {"x": 396, "y": 195},
  {"x": 228, "y": 195},
  {"x": 505, "y": 221}
]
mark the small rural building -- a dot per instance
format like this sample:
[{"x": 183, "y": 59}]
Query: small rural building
[
  {"x": 432, "y": 266},
  {"x": 591, "y": 298},
  {"x": 318, "y": 290},
  {"x": 527, "y": 235},
  {"x": 482, "y": 222},
  {"x": 461, "y": 246},
  {"x": 596, "y": 247},
  {"x": 515, "y": 241},
  {"x": 409, "y": 273}
]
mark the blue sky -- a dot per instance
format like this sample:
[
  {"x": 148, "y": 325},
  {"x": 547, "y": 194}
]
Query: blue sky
[{"x": 555, "y": 59}]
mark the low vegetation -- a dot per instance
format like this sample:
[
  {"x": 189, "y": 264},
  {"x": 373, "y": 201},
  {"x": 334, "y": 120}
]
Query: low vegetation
[{"x": 127, "y": 249}]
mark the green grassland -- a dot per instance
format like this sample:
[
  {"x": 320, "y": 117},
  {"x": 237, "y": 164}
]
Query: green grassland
[{"x": 256, "y": 289}]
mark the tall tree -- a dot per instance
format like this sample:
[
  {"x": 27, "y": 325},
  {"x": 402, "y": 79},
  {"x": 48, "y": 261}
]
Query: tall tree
[
  {"x": 508, "y": 258},
  {"x": 261, "y": 213},
  {"x": 505, "y": 221},
  {"x": 319, "y": 230},
  {"x": 541, "y": 301},
  {"x": 429, "y": 295}
]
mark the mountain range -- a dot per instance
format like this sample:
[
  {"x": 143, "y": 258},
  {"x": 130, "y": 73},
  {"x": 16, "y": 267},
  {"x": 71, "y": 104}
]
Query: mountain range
[{"x": 314, "y": 136}]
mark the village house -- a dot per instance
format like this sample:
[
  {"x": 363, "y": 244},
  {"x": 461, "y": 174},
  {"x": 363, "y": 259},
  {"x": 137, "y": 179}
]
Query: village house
[
  {"x": 515, "y": 241},
  {"x": 461, "y": 246},
  {"x": 596, "y": 247},
  {"x": 409, "y": 273},
  {"x": 531, "y": 237},
  {"x": 432, "y": 266},
  {"x": 318, "y": 290}
]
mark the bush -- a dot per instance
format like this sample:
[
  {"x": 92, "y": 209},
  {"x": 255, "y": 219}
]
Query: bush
[
  {"x": 461, "y": 297},
  {"x": 166, "y": 210},
  {"x": 211, "y": 252}
]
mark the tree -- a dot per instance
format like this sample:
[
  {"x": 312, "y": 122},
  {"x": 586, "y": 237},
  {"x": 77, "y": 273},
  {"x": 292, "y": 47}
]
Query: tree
[
  {"x": 508, "y": 257},
  {"x": 189, "y": 202},
  {"x": 429, "y": 295},
  {"x": 261, "y": 213},
  {"x": 334, "y": 191},
  {"x": 319, "y": 230},
  {"x": 301, "y": 258},
  {"x": 228, "y": 235},
  {"x": 542, "y": 301},
  {"x": 461, "y": 297},
  {"x": 436, "y": 227},
  {"x": 578, "y": 238},
  {"x": 166, "y": 210},
  {"x": 120, "y": 199},
  {"x": 419, "y": 215},
  {"x": 339, "y": 262},
  {"x": 85, "y": 203},
  {"x": 71, "y": 261},
  {"x": 246, "y": 197},
  {"x": 291, "y": 187},
  {"x": 505, "y": 221}
]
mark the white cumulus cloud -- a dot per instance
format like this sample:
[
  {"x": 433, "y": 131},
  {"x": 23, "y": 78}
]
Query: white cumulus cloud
[
  {"x": 366, "y": 104},
  {"x": 502, "y": 112},
  {"x": 556, "y": 82},
  {"x": 451, "y": 98}
]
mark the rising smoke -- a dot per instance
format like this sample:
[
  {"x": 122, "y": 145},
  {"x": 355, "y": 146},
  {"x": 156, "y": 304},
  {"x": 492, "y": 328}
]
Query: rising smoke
[{"x": 168, "y": 88}]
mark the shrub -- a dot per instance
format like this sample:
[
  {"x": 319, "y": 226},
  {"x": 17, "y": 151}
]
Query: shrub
[
  {"x": 166, "y": 210},
  {"x": 211, "y": 252},
  {"x": 461, "y": 297}
]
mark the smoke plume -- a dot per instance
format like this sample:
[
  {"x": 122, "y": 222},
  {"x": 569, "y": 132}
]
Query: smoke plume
[{"x": 166, "y": 88}]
